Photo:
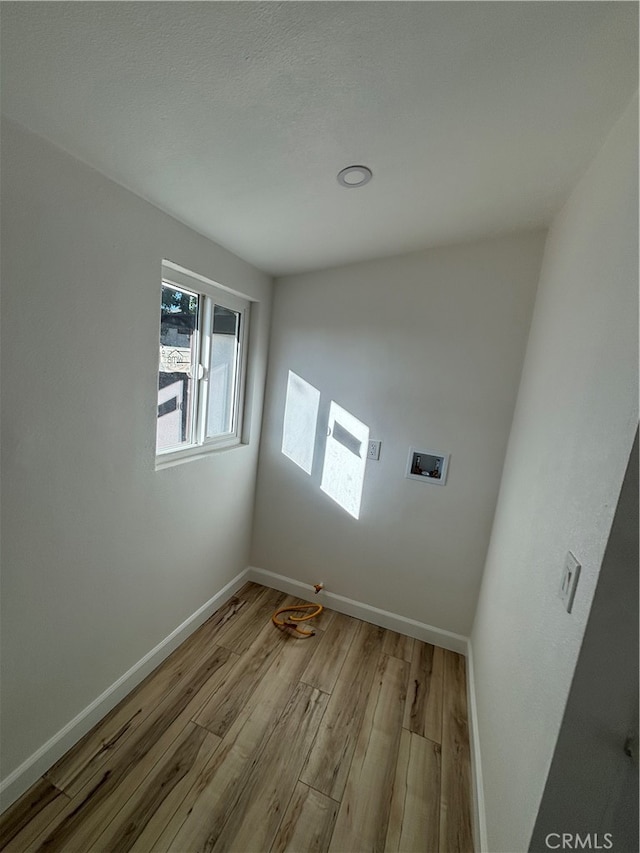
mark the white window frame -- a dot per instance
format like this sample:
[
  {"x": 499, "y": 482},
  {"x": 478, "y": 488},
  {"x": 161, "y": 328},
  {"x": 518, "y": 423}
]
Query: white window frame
[{"x": 210, "y": 294}]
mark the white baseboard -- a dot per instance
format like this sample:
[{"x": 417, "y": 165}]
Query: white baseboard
[
  {"x": 480, "y": 820},
  {"x": 360, "y": 610},
  {"x": 17, "y": 782}
]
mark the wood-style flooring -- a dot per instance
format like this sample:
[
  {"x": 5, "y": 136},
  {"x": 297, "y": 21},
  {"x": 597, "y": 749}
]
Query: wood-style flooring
[{"x": 248, "y": 739}]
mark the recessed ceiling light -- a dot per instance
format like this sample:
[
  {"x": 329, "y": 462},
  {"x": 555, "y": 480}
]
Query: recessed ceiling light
[{"x": 355, "y": 176}]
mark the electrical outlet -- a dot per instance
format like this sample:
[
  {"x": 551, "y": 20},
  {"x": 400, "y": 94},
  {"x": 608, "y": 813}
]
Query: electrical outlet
[
  {"x": 374, "y": 450},
  {"x": 570, "y": 575}
]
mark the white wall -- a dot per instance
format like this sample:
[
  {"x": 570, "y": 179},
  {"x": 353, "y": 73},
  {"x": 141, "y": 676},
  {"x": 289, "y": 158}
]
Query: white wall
[
  {"x": 103, "y": 556},
  {"x": 425, "y": 349},
  {"x": 573, "y": 429},
  {"x": 592, "y": 784}
]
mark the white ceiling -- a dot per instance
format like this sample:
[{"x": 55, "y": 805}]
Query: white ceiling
[{"x": 476, "y": 118}]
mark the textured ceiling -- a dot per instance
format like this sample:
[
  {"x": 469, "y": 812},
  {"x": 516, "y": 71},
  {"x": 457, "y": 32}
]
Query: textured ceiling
[{"x": 476, "y": 118}]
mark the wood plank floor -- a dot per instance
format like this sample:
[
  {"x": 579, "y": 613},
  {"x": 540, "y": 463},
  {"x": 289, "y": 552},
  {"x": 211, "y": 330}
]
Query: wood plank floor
[{"x": 247, "y": 739}]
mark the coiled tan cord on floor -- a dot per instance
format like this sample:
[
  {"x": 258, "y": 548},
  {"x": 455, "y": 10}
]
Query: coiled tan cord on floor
[{"x": 292, "y": 621}]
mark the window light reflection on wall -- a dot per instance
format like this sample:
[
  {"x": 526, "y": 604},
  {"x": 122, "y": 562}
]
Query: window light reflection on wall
[
  {"x": 345, "y": 459},
  {"x": 300, "y": 419},
  {"x": 345, "y": 452}
]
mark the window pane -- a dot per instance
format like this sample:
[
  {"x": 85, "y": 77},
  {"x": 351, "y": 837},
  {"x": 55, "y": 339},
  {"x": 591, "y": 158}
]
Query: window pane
[
  {"x": 176, "y": 386},
  {"x": 223, "y": 372}
]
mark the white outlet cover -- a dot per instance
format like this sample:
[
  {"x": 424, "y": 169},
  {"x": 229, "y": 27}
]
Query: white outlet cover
[
  {"x": 569, "y": 582},
  {"x": 373, "y": 451}
]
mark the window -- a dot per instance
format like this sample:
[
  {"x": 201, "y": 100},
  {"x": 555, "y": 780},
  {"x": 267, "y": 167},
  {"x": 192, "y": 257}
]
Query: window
[{"x": 203, "y": 329}]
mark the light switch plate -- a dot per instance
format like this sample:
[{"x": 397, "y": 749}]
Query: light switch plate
[{"x": 570, "y": 575}]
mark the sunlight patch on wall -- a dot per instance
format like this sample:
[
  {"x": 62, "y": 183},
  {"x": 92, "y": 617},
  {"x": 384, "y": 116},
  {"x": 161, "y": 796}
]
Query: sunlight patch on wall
[
  {"x": 345, "y": 459},
  {"x": 300, "y": 418}
]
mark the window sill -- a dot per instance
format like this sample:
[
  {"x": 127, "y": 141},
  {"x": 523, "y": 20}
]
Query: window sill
[{"x": 191, "y": 454}]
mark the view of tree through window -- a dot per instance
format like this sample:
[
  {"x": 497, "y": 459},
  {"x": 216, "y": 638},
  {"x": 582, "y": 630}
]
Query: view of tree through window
[{"x": 178, "y": 343}]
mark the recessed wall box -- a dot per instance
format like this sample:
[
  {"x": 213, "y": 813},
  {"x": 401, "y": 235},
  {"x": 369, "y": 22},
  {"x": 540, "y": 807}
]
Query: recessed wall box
[{"x": 427, "y": 466}]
